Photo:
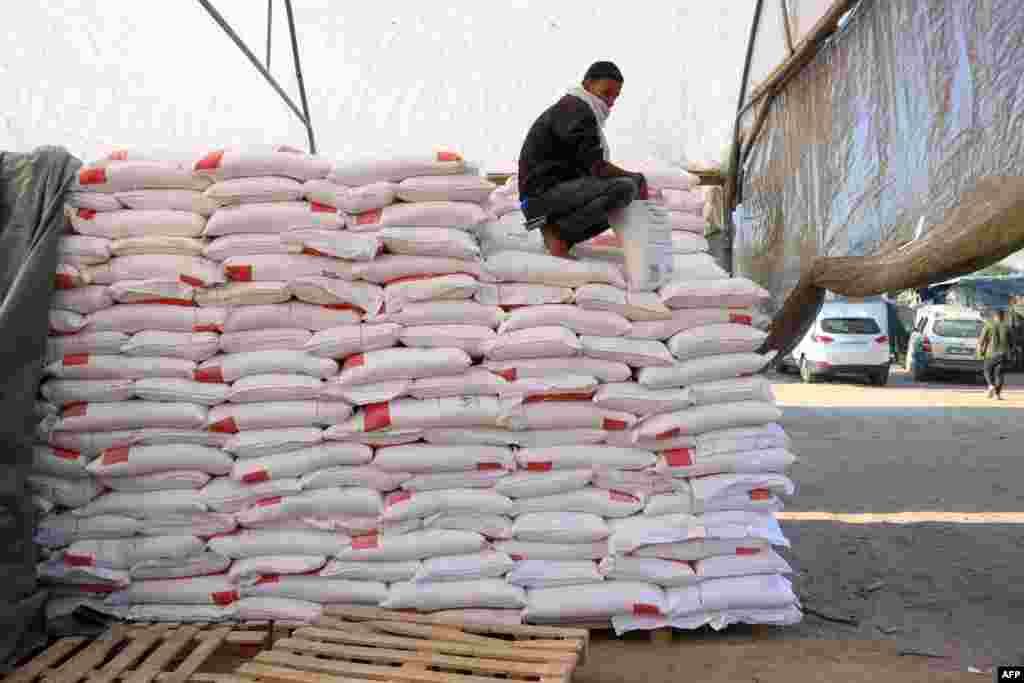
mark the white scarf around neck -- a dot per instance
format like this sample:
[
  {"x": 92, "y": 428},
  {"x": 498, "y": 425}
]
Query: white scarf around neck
[{"x": 601, "y": 112}]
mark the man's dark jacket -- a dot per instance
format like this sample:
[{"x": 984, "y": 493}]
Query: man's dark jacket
[{"x": 563, "y": 144}]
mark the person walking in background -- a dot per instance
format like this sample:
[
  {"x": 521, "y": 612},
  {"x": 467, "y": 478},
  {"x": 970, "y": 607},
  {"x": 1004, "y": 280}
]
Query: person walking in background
[
  {"x": 993, "y": 347},
  {"x": 566, "y": 181}
]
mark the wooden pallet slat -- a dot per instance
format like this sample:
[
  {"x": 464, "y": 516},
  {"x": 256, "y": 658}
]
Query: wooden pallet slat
[{"x": 52, "y": 655}]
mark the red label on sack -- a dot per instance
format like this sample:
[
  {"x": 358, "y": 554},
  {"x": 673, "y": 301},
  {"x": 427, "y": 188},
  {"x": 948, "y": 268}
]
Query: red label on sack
[
  {"x": 76, "y": 359},
  {"x": 210, "y": 161},
  {"x": 747, "y": 551},
  {"x": 167, "y": 302},
  {"x": 255, "y": 477},
  {"x": 268, "y": 578},
  {"x": 115, "y": 456},
  {"x": 679, "y": 457},
  {"x": 670, "y": 434},
  {"x": 489, "y": 466},
  {"x": 644, "y": 610},
  {"x": 568, "y": 396},
  {"x": 370, "y": 542},
  {"x": 345, "y": 307},
  {"x": 508, "y": 375},
  {"x": 611, "y": 425},
  {"x": 321, "y": 208},
  {"x": 356, "y": 361},
  {"x": 538, "y": 466},
  {"x": 119, "y": 155},
  {"x": 398, "y": 497},
  {"x": 212, "y": 327},
  {"x": 87, "y": 214},
  {"x": 78, "y": 560},
  {"x": 224, "y": 597},
  {"x": 310, "y": 251},
  {"x": 64, "y": 281},
  {"x": 376, "y": 416},
  {"x": 66, "y": 454},
  {"x": 741, "y": 319},
  {"x": 212, "y": 375},
  {"x": 71, "y": 404},
  {"x": 239, "y": 273},
  {"x": 449, "y": 156},
  {"x": 517, "y": 558},
  {"x": 370, "y": 217},
  {"x": 92, "y": 176},
  {"x": 622, "y": 497},
  {"x": 189, "y": 280},
  {"x": 75, "y": 410},
  {"x": 225, "y": 426},
  {"x": 760, "y": 494},
  {"x": 267, "y": 502}
]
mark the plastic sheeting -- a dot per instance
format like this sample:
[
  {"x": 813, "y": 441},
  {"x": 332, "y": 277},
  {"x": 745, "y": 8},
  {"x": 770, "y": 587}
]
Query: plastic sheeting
[
  {"x": 31, "y": 222},
  {"x": 894, "y": 121}
]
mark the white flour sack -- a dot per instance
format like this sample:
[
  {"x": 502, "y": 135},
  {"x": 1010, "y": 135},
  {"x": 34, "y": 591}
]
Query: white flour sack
[
  {"x": 713, "y": 340},
  {"x": 414, "y": 290},
  {"x": 120, "y": 224},
  {"x": 244, "y": 294},
  {"x": 202, "y": 590},
  {"x": 318, "y": 589},
  {"x": 254, "y": 190},
  {"x": 688, "y": 201},
  {"x": 443, "y": 242},
  {"x": 448, "y": 188},
  {"x": 287, "y": 316},
  {"x": 232, "y": 367},
  {"x": 266, "y": 542},
  {"x": 746, "y": 564},
  {"x": 174, "y": 480},
  {"x": 264, "y": 340},
  {"x": 503, "y": 437},
  {"x": 93, "y": 443},
  {"x": 143, "y": 505},
  {"x": 92, "y": 200},
  {"x": 320, "y": 503},
  {"x": 486, "y": 565},
  {"x": 389, "y": 268},
  {"x": 428, "y": 459},
  {"x": 157, "y": 291},
  {"x": 404, "y": 505},
  {"x": 535, "y": 342},
  {"x": 231, "y": 419},
  {"x": 506, "y": 232},
  {"x": 66, "y": 322},
  {"x": 544, "y": 269},
  {"x": 391, "y": 364},
  {"x": 322, "y": 191},
  {"x": 606, "y": 371},
  {"x": 538, "y": 389},
  {"x": 552, "y": 573},
  {"x": 102, "y": 343},
  {"x": 640, "y": 483},
  {"x": 286, "y": 268},
  {"x": 158, "y": 244},
  {"x": 757, "y": 486},
  {"x": 228, "y": 496},
  {"x": 410, "y": 413},
  {"x": 138, "y": 460},
  {"x": 58, "y": 462},
  {"x": 92, "y": 417},
  {"x": 79, "y": 250},
  {"x": 732, "y": 391},
  {"x": 706, "y": 369},
  {"x": 203, "y": 564},
  {"x": 278, "y": 609},
  {"x": 381, "y": 439},
  {"x": 564, "y": 415},
  {"x": 190, "y": 270},
  {"x": 690, "y": 462},
  {"x": 259, "y": 443},
  {"x": 634, "y": 306},
  {"x": 693, "y": 267},
  {"x": 193, "y": 346},
  {"x": 579, "y": 457},
  {"x": 125, "y": 175},
  {"x": 333, "y": 243},
  {"x": 743, "y": 439},
  {"x": 271, "y": 218},
  {"x": 364, "y": 395},
  {"x": 640, "y": 353},
  {"x": 71, "y": 493},
  {"x": 447, "y": 313},
  {"x": 612, "y": 504},
  {"x": 489, "y": 526},
  {"x": 127, "y": 552},
  {"x": 560, "y": 527},
  {"x": 483, "y": 593},
  {"x": 282, "y": 161},
  {"x": 296, "y": 463},
  {"x": 633, "y": 398},
  {"x": 698, "y": 549},
  {"x": 535, "y": 484},
  {"x": 412, "y": 546},
  {"x": 522, "y": 551},
  {"x": 365, "y": 476},
  {"x": 760, "y": 591},
  {"x": 362, "y": 297},
  {"x": 474, "y": 382},
  {"x": 356, "y": 200},
  {"x": 472, "y": 339},
  {"x": 511, "y": 294},
  {"x": 83, "y": 300},
  {"x": 708, "y": 418},
  {"x": 132, "y": 318},
  {"x": 666, "y": 573},
  {"x": 595, "y": 601},
  {"x": 600, "y": 323},
  {"x": 228, "y": 246},
  {"x": 367, "y": 171},
  {"x": 484, "y": 479},
  {"x": 69, "y": 276},
  {"x": 726, "y": 292},
  {"x": 457, "y": 215},
  {"x": 275, "y": 387},
  {"x": 175, "y": 200},
  {"x": 250, "y": 569},
  {"x": 56, "y": 531}
]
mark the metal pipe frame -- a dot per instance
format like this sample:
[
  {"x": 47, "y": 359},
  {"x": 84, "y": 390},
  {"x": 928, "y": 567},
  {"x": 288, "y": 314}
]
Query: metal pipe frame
[{"x": 302, "y": 115}]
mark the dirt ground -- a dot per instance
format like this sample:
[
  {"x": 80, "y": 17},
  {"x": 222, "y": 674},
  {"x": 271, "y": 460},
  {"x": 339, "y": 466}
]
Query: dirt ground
[{"x": 927, "y": 600}]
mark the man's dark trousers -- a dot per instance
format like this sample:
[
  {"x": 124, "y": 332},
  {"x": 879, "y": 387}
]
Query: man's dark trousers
[{"x": 579, "y": 208}]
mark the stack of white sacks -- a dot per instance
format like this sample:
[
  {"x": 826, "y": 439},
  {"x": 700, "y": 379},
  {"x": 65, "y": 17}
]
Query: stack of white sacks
[{"x": 275, "y": 384}]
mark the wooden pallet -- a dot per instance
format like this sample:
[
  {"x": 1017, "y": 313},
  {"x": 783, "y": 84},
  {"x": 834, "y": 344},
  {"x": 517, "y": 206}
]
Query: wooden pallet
[
  {"x": 367, "y": 644},
  {"x": 141, "y": 653}
]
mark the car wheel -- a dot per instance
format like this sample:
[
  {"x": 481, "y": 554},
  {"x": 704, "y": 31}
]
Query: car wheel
[
  {"x": 805, "y": 372},
  {"x": 880, "y": 377}
]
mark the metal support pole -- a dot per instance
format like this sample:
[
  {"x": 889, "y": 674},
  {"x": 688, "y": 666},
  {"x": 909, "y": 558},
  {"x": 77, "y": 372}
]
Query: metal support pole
[
  {"x": 270, "y": 28},
  {"x": 254, "y": 59},
  {"x": 298, "y": 75}
]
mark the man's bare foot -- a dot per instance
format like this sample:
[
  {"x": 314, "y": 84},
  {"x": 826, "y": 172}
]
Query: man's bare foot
[{"x": 553, "y": 243}]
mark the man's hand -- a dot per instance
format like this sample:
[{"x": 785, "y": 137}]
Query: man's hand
[
  {"x": 606, "y": 169},
  {"x": 641, "y": 185}
]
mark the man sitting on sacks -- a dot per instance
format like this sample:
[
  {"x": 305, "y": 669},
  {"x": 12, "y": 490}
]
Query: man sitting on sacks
[{"x": 566, "y": 183}]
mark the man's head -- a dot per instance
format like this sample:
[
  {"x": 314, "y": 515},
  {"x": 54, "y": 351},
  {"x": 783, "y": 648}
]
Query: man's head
[
  {"x": 604, "y": 80},
  {"x": 1000, "y": 314}
]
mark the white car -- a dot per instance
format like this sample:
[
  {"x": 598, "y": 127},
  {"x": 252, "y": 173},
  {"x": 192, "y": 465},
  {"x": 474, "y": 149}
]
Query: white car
[
  {"x": 945, "y": 339},
  {"x": 846, "y": 339}
]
